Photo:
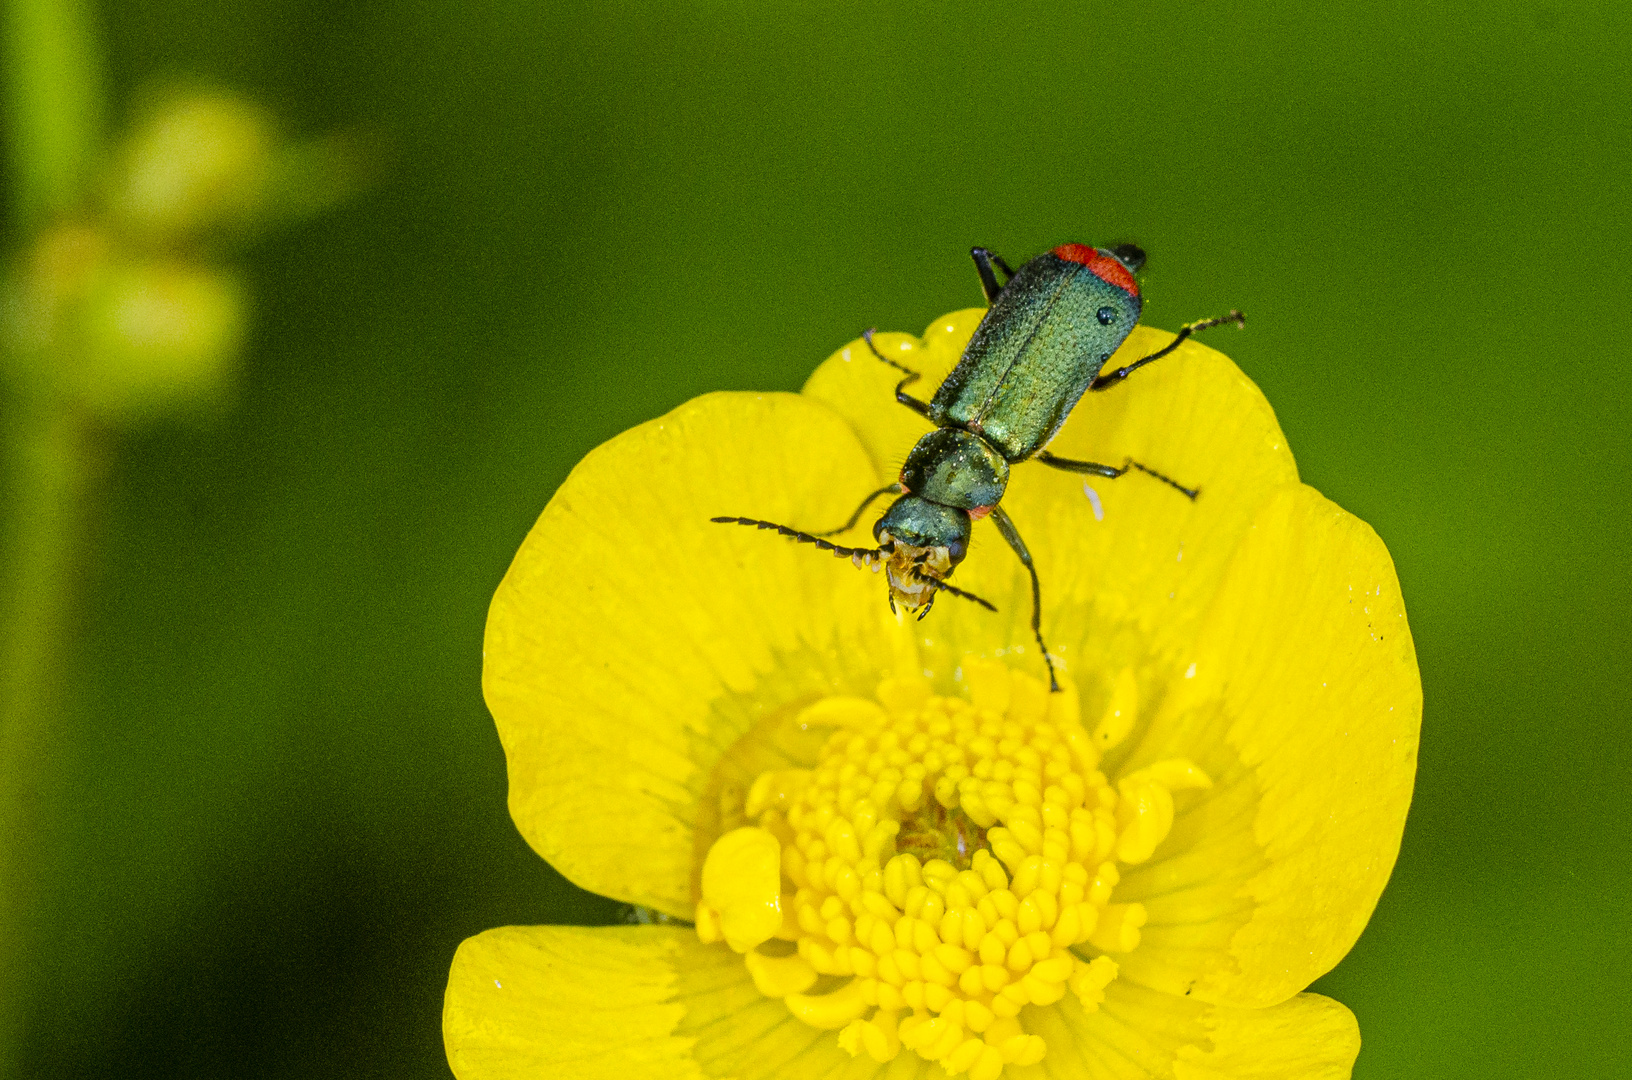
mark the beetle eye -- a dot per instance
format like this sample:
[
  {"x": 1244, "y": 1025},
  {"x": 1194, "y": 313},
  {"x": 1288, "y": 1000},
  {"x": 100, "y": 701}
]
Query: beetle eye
[
  {"x": 1106, "y": 316},
  {"x": 954, "y": 551}
]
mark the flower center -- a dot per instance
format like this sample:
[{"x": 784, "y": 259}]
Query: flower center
[
  {"x": 935, "y": 832},
  {"x": 950, "y": 862}
]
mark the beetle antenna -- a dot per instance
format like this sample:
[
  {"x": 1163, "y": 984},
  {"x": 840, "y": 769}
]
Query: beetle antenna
[
  {"x": 859, "y": 556},
  {"x": 941, "y": 586}
]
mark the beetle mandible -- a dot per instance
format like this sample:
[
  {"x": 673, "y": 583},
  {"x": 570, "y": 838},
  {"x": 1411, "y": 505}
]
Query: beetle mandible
[{"x": 1042, "y": 344}]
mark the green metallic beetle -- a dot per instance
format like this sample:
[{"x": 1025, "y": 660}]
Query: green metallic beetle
[{"x": 1044, "y": 340}]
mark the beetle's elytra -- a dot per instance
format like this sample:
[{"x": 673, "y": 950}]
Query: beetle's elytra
[{"x": 1043, "y": 343}]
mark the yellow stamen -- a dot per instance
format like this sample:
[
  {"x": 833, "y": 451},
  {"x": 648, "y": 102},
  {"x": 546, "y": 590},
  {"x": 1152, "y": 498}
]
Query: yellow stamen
[
  {"x": 1090, "y": 981},
  {"x": 952, "y": 858},
  {"x": 829, "y": 1011},
  {"x": 779, "y": 976},
  {"x": 742, "y": 891}
]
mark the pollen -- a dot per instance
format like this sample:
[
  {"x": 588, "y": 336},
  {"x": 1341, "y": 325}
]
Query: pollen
[{"x": 945, "y": 865}]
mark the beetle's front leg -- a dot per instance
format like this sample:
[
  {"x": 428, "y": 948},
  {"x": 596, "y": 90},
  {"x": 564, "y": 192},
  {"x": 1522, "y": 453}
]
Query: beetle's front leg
[
  {"x": 1005, "y": 525},
  {"x": 1111, "y": 472},
  {"x": 901, "y": 395}
]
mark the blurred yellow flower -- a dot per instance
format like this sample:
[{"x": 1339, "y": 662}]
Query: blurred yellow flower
[
  {"x": 120, "y": 312},
  {"x": 900, "y": 855}
]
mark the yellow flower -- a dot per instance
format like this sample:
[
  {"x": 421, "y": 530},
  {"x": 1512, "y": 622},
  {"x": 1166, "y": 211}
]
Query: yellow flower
[{"x": 901, "y": 856}]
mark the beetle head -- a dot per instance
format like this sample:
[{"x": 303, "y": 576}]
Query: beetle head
[
  {"x": 925, "y": 542},
  {"x": 1131, "y": 256}
]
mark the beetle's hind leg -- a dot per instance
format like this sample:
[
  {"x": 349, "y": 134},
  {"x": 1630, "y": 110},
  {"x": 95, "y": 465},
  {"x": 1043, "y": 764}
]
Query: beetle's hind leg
[
  {"x": 1005, "y": 525},
  {"x": 1111, "y": 472},
  {"x": 1106, "y": 381},
  {"x": 892, "y": 489},
  {"x": 901, "y": 395}
]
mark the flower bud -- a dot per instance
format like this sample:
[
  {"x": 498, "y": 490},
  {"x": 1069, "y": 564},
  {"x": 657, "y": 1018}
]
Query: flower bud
[
  {"x": 198, "y": 161},
  {"x": 157, "y": 337}
]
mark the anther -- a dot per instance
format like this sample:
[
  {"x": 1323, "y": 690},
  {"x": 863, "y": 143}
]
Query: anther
[{"x": 946, "y": 857}]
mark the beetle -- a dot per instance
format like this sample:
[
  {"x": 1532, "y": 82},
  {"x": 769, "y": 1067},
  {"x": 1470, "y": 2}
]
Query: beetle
[{"x": 1048, "y": 331}]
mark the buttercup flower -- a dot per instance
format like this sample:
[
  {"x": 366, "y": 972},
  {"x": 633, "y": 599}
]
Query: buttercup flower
[{"x": 879, "y": 847}]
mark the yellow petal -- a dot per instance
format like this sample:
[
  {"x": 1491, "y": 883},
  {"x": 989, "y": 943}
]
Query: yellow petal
[
  {"x": 737, "y": 1032},
  {"x": 569, "y": 1002},
  {"x": 1130, "y": 591},
  {"x": 626, "y": 1003},
  {"x": 1304, "y": 708},
  {"x": 1120, "y": 592},
  {"x": 856, "y": 384},
  {"x": 862, "y": 389},
  {"x": 633, "y": 642},
  {"x": 1309, "y": 1037},
  {"x": 1140, "y": 1034}
]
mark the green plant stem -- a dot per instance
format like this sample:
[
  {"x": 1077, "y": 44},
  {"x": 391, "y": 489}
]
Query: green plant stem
[
  {"x": 54, "y": 94},
  {"x": 54, "y": 91},
  {"x": 45, "y": 502}
]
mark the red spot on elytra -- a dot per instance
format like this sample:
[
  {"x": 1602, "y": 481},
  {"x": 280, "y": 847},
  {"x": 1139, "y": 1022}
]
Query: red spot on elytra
[
  {"x": 1106, "y": 268},
  {"x": 981, "y": 511}
]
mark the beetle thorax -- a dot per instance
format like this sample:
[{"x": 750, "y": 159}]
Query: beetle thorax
[{"x": 956, "y": 468}]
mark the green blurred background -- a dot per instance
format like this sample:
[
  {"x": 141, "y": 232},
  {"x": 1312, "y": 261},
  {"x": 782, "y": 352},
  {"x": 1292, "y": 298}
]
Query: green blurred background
[{"x": 274, "y": 802}]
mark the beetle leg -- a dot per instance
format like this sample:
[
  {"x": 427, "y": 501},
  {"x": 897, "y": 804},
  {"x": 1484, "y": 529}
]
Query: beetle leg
[
  {"x": 1110, "y": 472},
  {"x": 1106, "y": 381},
  {"x": 1005, "y": 525},
  {"x": 892, "y": 489},
  {"x": 901, "y": 395},
  {"x": 984, "y": 261}
]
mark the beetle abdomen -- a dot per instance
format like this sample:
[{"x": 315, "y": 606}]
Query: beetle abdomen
[{"x": 1047, "y": 335}]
